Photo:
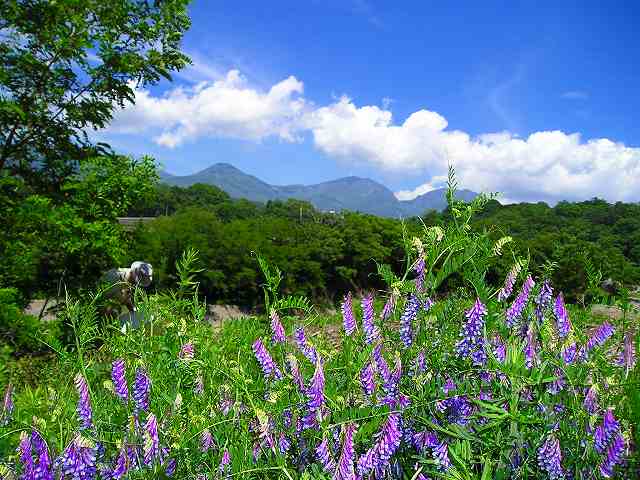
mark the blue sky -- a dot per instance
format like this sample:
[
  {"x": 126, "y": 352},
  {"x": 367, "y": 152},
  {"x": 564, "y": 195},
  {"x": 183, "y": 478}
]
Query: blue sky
[{"x": 535, "y": 73}]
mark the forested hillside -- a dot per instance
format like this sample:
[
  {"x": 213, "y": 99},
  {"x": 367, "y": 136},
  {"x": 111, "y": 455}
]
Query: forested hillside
[{"x": 326, "y": 254}]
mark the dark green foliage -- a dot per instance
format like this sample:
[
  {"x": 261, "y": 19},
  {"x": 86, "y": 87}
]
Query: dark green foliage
[
  {"x": 326, "y": 254},
  {"x": 50, "y": 244},
  {"x": 66, "y": 65}
]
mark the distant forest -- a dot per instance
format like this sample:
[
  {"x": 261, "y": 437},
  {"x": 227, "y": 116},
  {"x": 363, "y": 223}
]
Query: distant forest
[{"x": 323, "y": 255}]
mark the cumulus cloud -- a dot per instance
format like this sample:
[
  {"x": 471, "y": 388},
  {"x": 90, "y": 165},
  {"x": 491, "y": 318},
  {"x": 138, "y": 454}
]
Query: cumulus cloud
[
  {"x": 439, "y": 181},
  {"x": 227, "y": 108},
  {"x": 546, "y": 165},
  {"x": 549, "y": 165},
  {"x": 575, "y": 95}
]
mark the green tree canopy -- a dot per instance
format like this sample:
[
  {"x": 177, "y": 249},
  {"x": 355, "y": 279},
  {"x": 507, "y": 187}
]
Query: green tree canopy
[{"x": 65, "y": 65}]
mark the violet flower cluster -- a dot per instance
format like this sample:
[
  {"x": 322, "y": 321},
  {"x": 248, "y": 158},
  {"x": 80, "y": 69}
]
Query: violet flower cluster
[
  {"x": 600, "y": 335},
  {"x": 367, "y": 381},
  {"x": 323, "y": 455},
  {"x": 119, "y": 380},
  {"x": 377, "y": 458},
  {"x": 315, "y": 396},
  {"x": 7, "y": 406},
  {"x": 472, "y": 342},
  {"x": 562, "y": 317},
  {"x": 509, "y": 282},
  {"x": 514, "y": 312},
  {"x": 406, "y": 320},
  {"x": 277, "y": 329},
  {"x": 78, "y": 461},
  {"x": 34, "y": 446},
  {"x": 530, "y": 348},
  {"x": 371, "y": 332},
  {"x": 304, "y": 346},
  {"x": 151, "y": 441},
  {"x": 543, "y": 300},
  {"x": 187, "y": 351},
  {"x": 269, "y": 368},
  {"x": 345, "y": 469},
  {"x": 609, "y": 442},
  {"x": 84, "y": 403},
  {"x": 550, "y": 458},
  {"x": 388, "y": 308},
  {"x": 348, "y": 319},
  {"x": 141, "y": 388}
]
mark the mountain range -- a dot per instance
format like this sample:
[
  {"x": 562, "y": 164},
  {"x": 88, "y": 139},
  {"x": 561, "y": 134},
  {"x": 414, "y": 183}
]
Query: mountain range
[{"x": 348, "y": 193}]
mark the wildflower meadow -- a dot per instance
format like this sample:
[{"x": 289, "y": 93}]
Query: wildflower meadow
[{"x": 479, "y": 382}]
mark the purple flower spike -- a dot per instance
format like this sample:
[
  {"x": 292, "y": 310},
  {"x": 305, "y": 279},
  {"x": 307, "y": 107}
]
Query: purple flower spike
[
  {"x": 599, "y": 439},
  {"x": 366, "y": 379},
  {"x": 198, "y": 386},
  {"x": 187, "y": 351},
  {"x": 387, "y": 310},
  {"x": 472, "y": 342},
  {"x": 613, "y": 457},
  {"x": 509, "y": 282},
  {"x": 514, "y": 312},
  {"x": 371, "y": 332},
  {"x": 380, "y": 362},
  {"x": 448, "y": 386},
  {"x": 324, "y": 456},
  {"x": 420, "y": 271},
  {"x": 44, "y": 467},
  {"x": 206, "y": 441},
  {"x": 550, "y": 458},
  {"x": 543, "y": 300},
  {"x": 530, "y": 353},
  {"x": 348, "y": 318},
  {"x": 315, "y": 395},
  {"x": 591, "y": 400},
  {"x": 390, "y": 385},
  {"x": 562, "y": 317},
  {"x": 440, "y": 454},
  {"x": 225, "y": 463},
  {"x": 294, "y": 369},
  {"x": 420, "y": 363},
  {"x": 151, "y": 441},
  {"x": 25, "y": 452},
  {"x": 7, "y": 406},
  {"x": 558, "y": 384},
  {"x": 284, "y": 444},
  {"x": 119, "y": 380},
  {"x": 307, "y": 350},
  {"x": 600, "y": 335},
  {"x": 269, "y": 368},
  {"x": 170, "y": 469},
  {"x": 277, "y": 330},
  {"x": 629, "y": 352},
  {"x": 84, "y": 404},
  {"x": 141, "y": 388},
  {"x": 345, "y": 469},
  {"x": 499, "y": 349},
  {"x": 610, "y": 424},
  {"x": 407, "y": 319},
  {"x": 78, "y": 461},
  {"x": 378, "y": 457},
  {"x": 122, "y": 465},
  {"x": 569, "y": 353}
]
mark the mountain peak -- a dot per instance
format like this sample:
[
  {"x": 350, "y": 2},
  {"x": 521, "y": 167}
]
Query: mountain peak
[{"x": 347, "y": 193}]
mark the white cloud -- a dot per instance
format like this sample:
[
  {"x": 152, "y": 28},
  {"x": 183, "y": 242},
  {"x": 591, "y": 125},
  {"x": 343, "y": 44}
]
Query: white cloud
[
  {"x": 549, "y": 165},
  {"x": 546, "y": 165},
  {"x": 575, "y": 95},
  {"x": 439, "y": 181},
  {"x": 226, "y": 108}
]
